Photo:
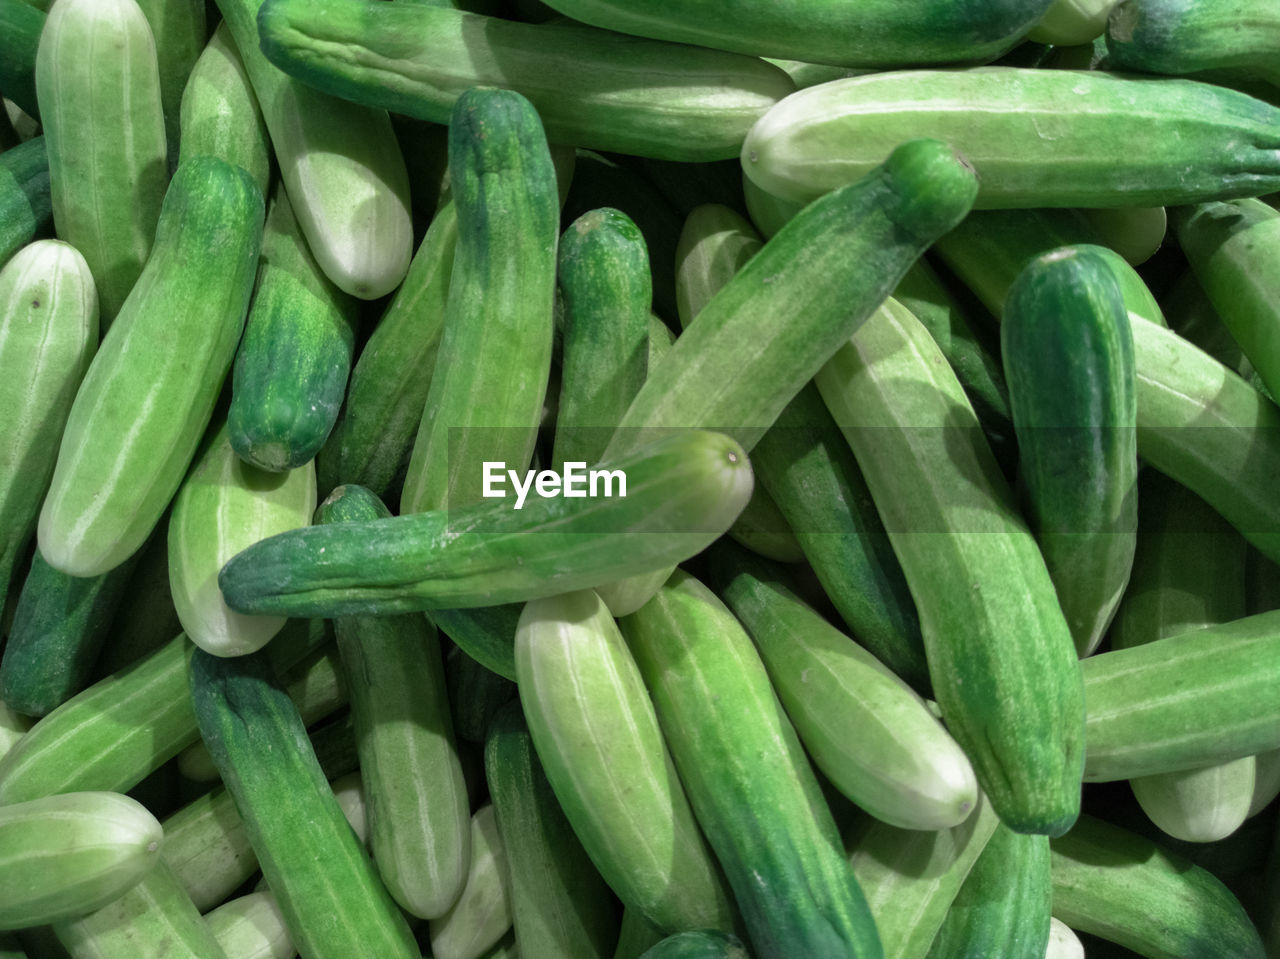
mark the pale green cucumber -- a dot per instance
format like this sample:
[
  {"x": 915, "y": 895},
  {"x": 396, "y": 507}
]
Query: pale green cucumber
[
  {"x": 762, "y": 528},
  {"x": 179, "y": 31},
  {"x": 152, "y": 385},
  {"x": 804, "y": 74},
  {"x": 865, "y": 728},
  {"x": 64, "y": 856},
  {"x": 1266, "y": 781},
  {"x": 661, "y": 339},
  {"x": 409, "y": 762},
  {"x": 1063, "y": 943},
  {"x": 13, "y": 726},
  {"x": 600, "y": 745},
  {"x": 482, "y": 914},
  {"x": 341, "y": 166},
  {"x": 99, "y": 92},
  {"x": 999, "y": 650},
  {"x": 1070, "y": 23},
  {"x": 769, "y": 213},
  {"x": 220, "y": 114},
  {"x": 223, "y": 506},
  {"x": 251, "y": 927},
  {"x": 1135, "y": 232},
  {"x": 48, "y": 333}
]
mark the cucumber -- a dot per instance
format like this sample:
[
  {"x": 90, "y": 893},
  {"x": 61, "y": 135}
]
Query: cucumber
[
  {"x": 688, "y": 486},
  {"x": 219, "y": 113},
  {"x": 291, "y": 369},
  {"x": 601, "y": 748},
  {"x": 475, "y": 693},
  {"x": 1063, "y": 943},
  {"x": 26, "y": 208},
  {"x": 485, "y": 633},
  {"x": 20, "y": 28},
  {"x": 99, "y": 92},
  {"x": 1069, "y": 363},
  {"x": 762, "y": 528},
  {"x": 333, "y": 902},
  {"x": 13, "y": 726},
  {"x": 482, "y": 914},
  {"x": 414, "y": 787},
  {"x": 1135, "y": 232},
  {"x": 499, "y": 315},
  {"x": 697, "y": 945},
  {"x": 148, "y": 620},
  {"x": 65, "y": 856},
  {"x": 1072, "y": 22},
  {"x": 748, "y": 781},
  {"x": 251, "y": 927},
  {"x": 1038, "y": 138},
  {"x": 144, "y": 403},
  {"x": 636, "y": 935},
  {"x": 999, "y": 650},
  {"x": 179, "y": 31},
  {"x": 1234, "y": 37},
  {"x": 48, "y": 333},
  {"x": 625, "y": 95}
]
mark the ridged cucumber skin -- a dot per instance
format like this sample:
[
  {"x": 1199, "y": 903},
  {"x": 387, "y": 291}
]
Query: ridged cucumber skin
[
  {"x": 26, "y": 207},
  {"x": 697, "y": 944},
  {"x": 1081, "y": 138},
  {"x": 1003, "y": 907},
  {"x": 1179, "y": 37},
  {"x": 48, "y": 334},
  {"x": 341, "y": 165},
  {"x": 999, "y": 650},
  {"x": 223, "y": 506},
  {"x": 333, "y": 901},
  {"x": 870, "y": 34},
  {"x": 1111, "y": 883},
  {"x": 251, "y": 927},
  {"x": 560, "y": 906},
  {"x": 64, "y": 856},
  {"x": 771, "y": 327},
  {"x": 602, "y": 750},
  {"x": 1069, "y": 362},
  {"x": 20, "y": 26},
  {"x": 291, "y": 367},
  {"x": 99, "y": 92},
  {"x": 499, "y": 314},
  {"x": 373, "y": 437},
  {"x": 417, "y": 58},
  {"x": 688, "y": 486},
  {"x": 482, "y": 914},
  {"x": 155, "y": 919},
  {"x": 220, "y": 114},
  {"x": 865, "y": 728},
  {"x": 151, "y": 388},
  {"x": 179, "y": 31},
  {"x": 413, "y": 781},
  {"x": 747, "y": 779}
]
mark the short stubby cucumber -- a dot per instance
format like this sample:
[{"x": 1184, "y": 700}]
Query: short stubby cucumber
[
  {"x": 1038, "y": 138},
  {"x": 152, "y": 386}
]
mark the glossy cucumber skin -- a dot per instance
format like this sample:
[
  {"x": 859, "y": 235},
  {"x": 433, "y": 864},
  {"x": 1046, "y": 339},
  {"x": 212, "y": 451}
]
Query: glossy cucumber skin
[
  {"x": 26, "y": 208},
  {"x": 418, "y": 58},
  {"x": 20, "y": 26},
  {"x": 747, "y": 779},
  {"x": 145, "y": 400},
  {"x": 1179, "y": 37},
  {"x": 1081, "y": 138}
]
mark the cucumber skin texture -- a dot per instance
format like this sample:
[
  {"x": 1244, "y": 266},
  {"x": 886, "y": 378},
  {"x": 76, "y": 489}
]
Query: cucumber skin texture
[
  {"x": 48, "y": 333},
  {"x": 20, "y": 26},
  {"x": 868, "y": 35},
  {"x": 418, "y": 58},
  {"x": 332, "y": 899},
  {"x": 1069, "y": 362},
  {"x": 291, "y": 367},
  {"x": 68, "y": 855},
  {"x": 499, "y": 314},
  {"x": 99, "y": 89},
  {"x": 26, "y": 207},
  {"x": 1111, "y": 883},
  {"x": 1000, "y": 654},
  {"x": 747, "y": 779},
  {"x": 1178, "y": 37},
  {"x": 1069, "y": 130},
  {"x": 144, "y": 401}
]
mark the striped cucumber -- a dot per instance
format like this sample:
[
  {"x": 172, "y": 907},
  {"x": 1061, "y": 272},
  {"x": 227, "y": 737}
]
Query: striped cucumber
[
  {"x": 482, "y": 914},
  {"x": 26, "y": 208}
]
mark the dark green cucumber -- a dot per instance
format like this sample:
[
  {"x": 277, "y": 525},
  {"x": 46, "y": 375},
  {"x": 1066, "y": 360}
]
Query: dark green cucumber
[
  {"x": 1068, "y": 359},
  {"x": 26, "y": 208},
  {"x": 688, "y": 487},
  {"x": 179, "y": 30},
  {"x": 1235, "y": 37},
  {"x": 20, "y": 26},
  {"x": 332, "y": 899},
  {"x": 475, "y": 694},
  {"x": 486, "y": 633},
  {"x": 697, "y": 945},
  {"x": 747, "y": 778},
  {"x": 291, "y": 368}
]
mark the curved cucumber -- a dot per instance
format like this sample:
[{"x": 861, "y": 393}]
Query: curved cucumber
[
  {"x": 1178, "y": 37},
  {"x": 26, "y": 208}
]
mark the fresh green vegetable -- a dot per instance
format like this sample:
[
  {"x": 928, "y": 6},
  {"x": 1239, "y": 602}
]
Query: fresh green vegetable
[
  {"x": 251, "y": 927},
  {"x": 697, "y": 945},
  {"x": 1234, "y": 38},
  {"x": 179, "y": 31},
  {"x": 20, "y": 28},
  {"x": 26, "y": 208},
  {"x": 482, "y": 914}
]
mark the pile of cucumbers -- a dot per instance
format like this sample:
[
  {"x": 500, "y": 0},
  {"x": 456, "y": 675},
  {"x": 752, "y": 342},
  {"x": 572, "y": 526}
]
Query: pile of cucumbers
[{"x": 589, "y": 479}]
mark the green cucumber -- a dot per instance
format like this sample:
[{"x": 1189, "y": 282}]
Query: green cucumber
[
  {"x": 1235, "y": 37},
  {"x": 223, "y": 506},
  {"x": 414, "y": 788},
  {"x": 769, "y": 213},
  {"x": 13, "y": 726},
  {"x": 48, "y": 333},
  {"x": 625, "y": 95},
  {"x": 1068, "y": 360},
  {"x": 697, "y": 945},
  {"x": 475, "y": 693},
  {"x": 804, "y": 74},
  {"x": 220, "y": 115},
  {"x": 20, "y": 28},
  {"x": 251, "y": 927},
  {"x": 486, "y": 396},
  {"x": 64, "y": 856},
  {"x": 26, "y": 207},
  {"x": 688, "y": 486},
  {"x": 179, "y": 31},
  {"x": 1135, "y": 232},
  {"x": 148, "y": 620},
  {"x": 747, "y": 778},
  {"x": 99, "y": 91},
  {"x": 1038, "y": 138},
  {"x": 485, "y": 633},
  {"x": 1072, "y": 22},
  {"x": 291, "y": 368},
  {"x": 601, "y": 748},
  {"x": 868, "y": 732},
  {"x": 333, "y": 902},
  {"x": 999, "y": 650},
  {"x": 145, "y": 401},
  {"x": 636, "y": 935},
  {"x": 762, "y": 528},
  {"x": 482, "y": 914}
]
